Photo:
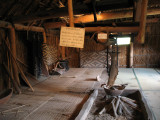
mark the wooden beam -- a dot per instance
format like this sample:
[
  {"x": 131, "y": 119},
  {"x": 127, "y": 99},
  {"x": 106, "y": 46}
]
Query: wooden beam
[
  {"x": 112, "y": 15},
  {"x": 77, "y": 9},
  {"x": 44, "y": 37},
  {"x": 4, "y": 24},
  {"x": 70, "y": 11},
  {"x": 13, "y": 49},
  {"x": 54, "y": 25},
  {"x": 141, "y": 34},
  {"x": 137, "y": 10},
  {"x": 112, "y": 29}
]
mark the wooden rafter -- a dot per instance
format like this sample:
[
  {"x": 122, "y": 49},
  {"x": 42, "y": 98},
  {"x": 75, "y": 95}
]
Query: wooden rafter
[
  {"x": 113, "y": 15},
  {"x": 60, "y": 12},
  {"x": 112, "y": 29}
]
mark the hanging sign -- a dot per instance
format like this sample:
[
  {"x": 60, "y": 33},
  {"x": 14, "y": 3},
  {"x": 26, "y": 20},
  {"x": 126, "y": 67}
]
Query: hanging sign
[
  {"x": 102, "y": 35},
  {"x": 72, "y": 37}
]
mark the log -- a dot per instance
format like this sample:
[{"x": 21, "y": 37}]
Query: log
[
  {"x": 134, "y": 101},
  {"x": 8, "y": 25},
  {"x": 112, "y": 29},
  {"x": 70, "y": 11},
  {"x": 61, "y": 12},
  {"x": 141, "y": 34},
  {"x": 114, "y": 108},
  {"x": 13, "y": 49},
  {"x": 125, "y": 109},
  {"x": 113, "y": 15},
  {"x": 131, "y": 104}
]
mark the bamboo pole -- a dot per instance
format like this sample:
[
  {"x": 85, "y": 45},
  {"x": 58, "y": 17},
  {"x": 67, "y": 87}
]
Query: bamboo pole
[{"x": 13, "y": 49}]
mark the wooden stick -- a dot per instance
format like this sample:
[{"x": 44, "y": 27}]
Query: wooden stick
[
  {"x": 102, "y": 111},
  {"x": 24, "y": 77},
  {"x": 114, "y": 108},
  {"x": 134, "y": 101},
  {"x": 11, "y": 77},
  {"x": 117, "y": 102},
  {"x": 119, "y": 111},
  {"x": 125, "y": 108},
  {"x": 4, "y": 24},
  {"x": 131, "y": 104}
]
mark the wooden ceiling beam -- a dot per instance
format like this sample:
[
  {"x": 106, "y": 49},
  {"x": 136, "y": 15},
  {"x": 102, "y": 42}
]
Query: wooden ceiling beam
[
  {"x": 52, "y": 25},
  {"x": 113, "y": 15},
  {"x": 141, "y": 34},
  {"x": 4, "y": 24},
  {"x": 60, "y": 12},
  {"x": 112, "y": 29}
]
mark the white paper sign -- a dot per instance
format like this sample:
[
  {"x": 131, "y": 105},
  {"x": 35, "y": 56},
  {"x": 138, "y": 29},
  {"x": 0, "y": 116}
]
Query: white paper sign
[
  {"x": 102, "y": 35},
  {"x": 72, "y": 37}
]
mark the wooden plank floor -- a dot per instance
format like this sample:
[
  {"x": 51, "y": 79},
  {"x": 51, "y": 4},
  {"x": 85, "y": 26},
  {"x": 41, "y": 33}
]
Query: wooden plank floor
[{"x": 56, "y": 98}]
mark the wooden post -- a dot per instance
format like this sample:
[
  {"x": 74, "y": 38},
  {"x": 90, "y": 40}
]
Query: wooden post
[
  {"x": 114, "y": 68},
  {"x": 141, "y": 34},
  {"x": 131, "y": 55},
  {"x": 70, "y": 11},
  {"x": 13, "y": 48},
  {"x": 137, "y": 10},
  {"x": 44, "y": 37}
]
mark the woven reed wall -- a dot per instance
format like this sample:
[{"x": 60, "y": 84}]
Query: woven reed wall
[
  {"x": 148, "y": 55},
  {"x": 72, "y": 54},
  {"x": 22, "y": 44}
]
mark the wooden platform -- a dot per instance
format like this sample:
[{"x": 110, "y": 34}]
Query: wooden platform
[{"x": 56, "y": 98}]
